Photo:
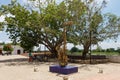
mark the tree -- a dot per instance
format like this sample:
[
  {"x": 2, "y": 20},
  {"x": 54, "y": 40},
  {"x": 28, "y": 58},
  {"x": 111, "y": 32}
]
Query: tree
[
  {"x": 118, "y": 50},
  {"x": 8, "y": 48},
  {"x": 93, "y": 26},
  {"x": 74, "y": 49},
  {"x": 110, "y": 50},
  {"x": 31, "y": 27}
]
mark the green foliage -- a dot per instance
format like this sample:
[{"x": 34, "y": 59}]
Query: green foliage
[
  {"x": 1, "y": 23},
  {"x": 2, "y": 43},
  {"x": 1, "y": 27},
  {"x": 74, "y": 49},
  {"x": 110, "y": 50},
  {"x": 118, "y": 50},
  {"x": 7, "y": 47}
]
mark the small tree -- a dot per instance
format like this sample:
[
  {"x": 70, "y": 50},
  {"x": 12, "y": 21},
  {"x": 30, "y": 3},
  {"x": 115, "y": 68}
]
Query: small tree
[
  {"x": 8, "y": 48},
  {"x": 74, "y": 49}
]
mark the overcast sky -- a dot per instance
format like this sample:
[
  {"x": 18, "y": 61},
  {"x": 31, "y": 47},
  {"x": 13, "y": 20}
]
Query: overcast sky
[{"x": 113, "y": 6}]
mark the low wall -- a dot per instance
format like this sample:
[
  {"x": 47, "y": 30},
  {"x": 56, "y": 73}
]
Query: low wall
[{"x": 114, "y": 58}]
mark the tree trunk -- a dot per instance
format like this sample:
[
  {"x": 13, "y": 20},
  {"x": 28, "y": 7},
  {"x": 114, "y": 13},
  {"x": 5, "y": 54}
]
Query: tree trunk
[
  {"x": 85, "y": 52},
  {"x": 52, "y": 49},
  {"x": 54, "y": 53}
]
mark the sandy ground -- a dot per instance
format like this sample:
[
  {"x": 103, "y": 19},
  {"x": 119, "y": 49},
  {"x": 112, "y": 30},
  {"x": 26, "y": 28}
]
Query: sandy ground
[{"x": 16, "y": 67}]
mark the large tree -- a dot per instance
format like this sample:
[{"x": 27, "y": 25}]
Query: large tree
[
  {"x": 93, "y": 26},
  {"x": 40, "y": 25}
]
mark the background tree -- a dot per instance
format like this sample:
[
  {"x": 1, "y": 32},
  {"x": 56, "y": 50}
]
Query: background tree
[
  {"x": 74, "y": 49},
  {"x": 110, "y": 50},
  {"x": 8, "y": 48},
  {"x": 2, "y": 43},
  {"x": 93, "y": 26},
  {"x": 118, "y": 50}
]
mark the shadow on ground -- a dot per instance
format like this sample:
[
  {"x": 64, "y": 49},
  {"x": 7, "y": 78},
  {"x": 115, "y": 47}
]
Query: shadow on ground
[
  {"x": 14, "y": 60},
  {"x": 23, "y": 61}
]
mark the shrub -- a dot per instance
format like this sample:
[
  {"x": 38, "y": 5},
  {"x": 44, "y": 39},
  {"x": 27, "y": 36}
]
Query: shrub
[
  {"x": 7, "y": 47},
  {"x": 74, "y": 49}
]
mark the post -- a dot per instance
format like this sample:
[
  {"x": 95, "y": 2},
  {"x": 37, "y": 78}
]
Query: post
[{"x": 90, "y": 46}]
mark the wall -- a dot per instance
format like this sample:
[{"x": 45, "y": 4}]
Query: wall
[
  {"x": 16, "y": 48},
  {"x": 114, "y": 58}
]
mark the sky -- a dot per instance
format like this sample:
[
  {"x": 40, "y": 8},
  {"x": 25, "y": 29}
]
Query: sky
[{"x": 113, "y": 6}]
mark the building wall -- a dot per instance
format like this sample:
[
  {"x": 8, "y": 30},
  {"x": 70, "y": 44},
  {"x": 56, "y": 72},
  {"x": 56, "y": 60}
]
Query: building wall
[{"x": 16, "y": 48}]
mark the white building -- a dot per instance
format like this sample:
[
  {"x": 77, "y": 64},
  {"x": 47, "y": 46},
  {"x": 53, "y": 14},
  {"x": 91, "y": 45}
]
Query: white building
[{"x": 16, "y": 49}]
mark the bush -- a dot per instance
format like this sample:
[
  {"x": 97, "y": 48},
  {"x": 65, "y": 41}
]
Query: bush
[
  {"x": 7, "y": 47},
  {"x": 80, "y": 50},
  {"x": 74, "y": 49}
]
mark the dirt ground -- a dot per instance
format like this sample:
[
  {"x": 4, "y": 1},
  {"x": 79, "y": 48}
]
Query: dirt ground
[{"x": 17, "y": 67}]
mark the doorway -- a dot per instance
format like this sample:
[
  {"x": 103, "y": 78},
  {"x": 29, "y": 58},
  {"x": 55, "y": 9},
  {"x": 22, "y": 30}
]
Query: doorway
[{"x": 18, "y": 51}]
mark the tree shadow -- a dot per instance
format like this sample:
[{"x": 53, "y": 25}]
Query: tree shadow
[
  {"x": 24, "y": 61},
  {"x": 14, "y": 60},
  {"x": 85, "y": 67},
  {"x": 18, "y": 62}
]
